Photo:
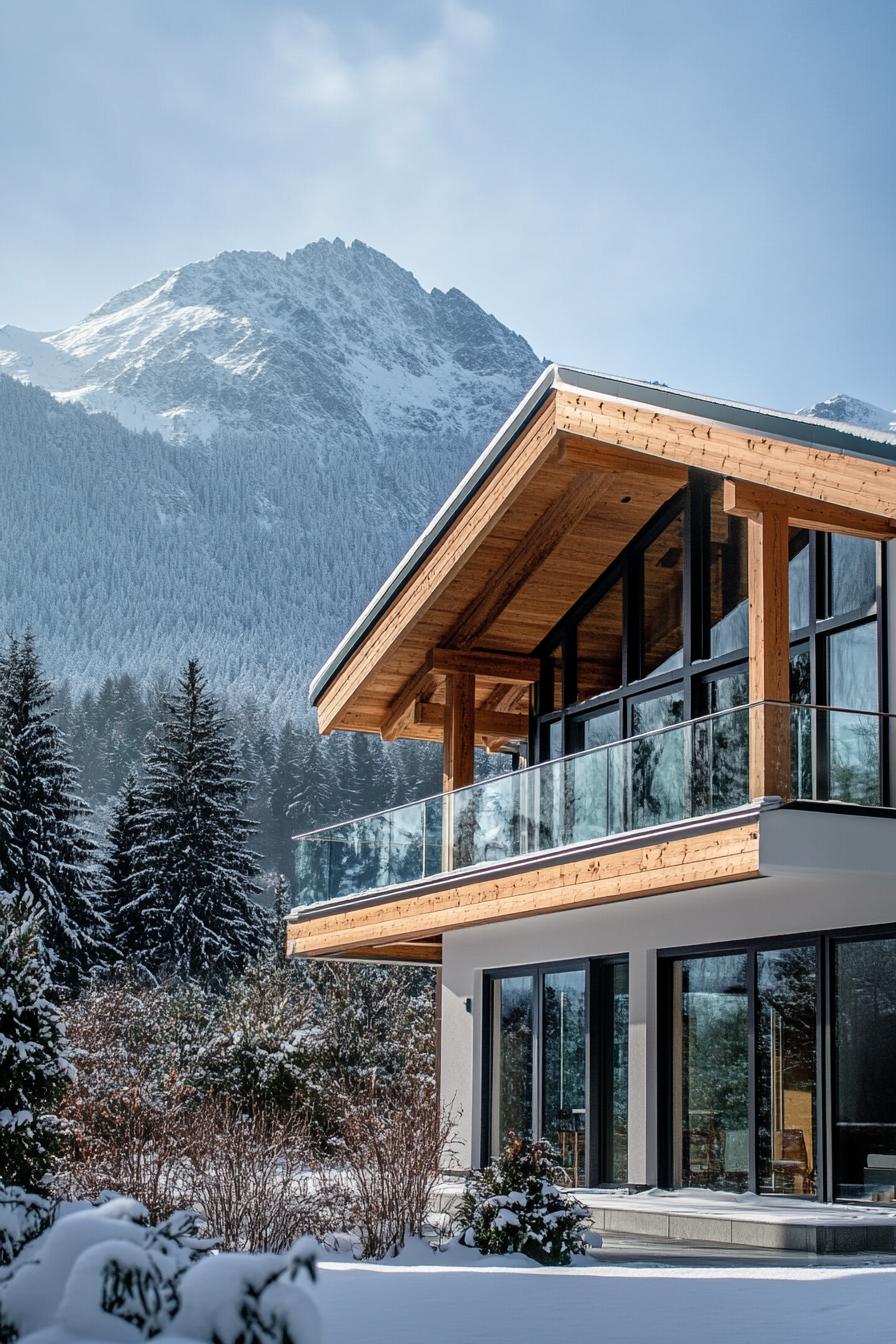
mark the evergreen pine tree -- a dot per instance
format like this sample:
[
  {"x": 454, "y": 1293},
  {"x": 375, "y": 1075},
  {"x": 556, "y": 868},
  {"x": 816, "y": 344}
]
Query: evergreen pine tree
[
  {"x": 49, "y": 859},
  {"x": 34, "y": 1062},
  {"x": 193, "y": 912},
  {"x": 122, "y": 838},
  {"x": 281, "y": 904}
]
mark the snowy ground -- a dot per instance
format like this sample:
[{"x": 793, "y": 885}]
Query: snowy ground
[{"x": 419, "y": 1298}]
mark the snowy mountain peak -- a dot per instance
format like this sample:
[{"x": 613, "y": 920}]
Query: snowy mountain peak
[
  {"x": 846, "y": 410},
  {"x": 326, "y": 335}
]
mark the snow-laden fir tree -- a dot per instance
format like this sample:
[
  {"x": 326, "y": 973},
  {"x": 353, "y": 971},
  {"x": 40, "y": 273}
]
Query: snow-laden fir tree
[
  {"x": 34, "y": 1061},
  {"x": 122, "y": 837},
  {"x": 49, "y": 859},
  {"x": 193, "y": 913}
]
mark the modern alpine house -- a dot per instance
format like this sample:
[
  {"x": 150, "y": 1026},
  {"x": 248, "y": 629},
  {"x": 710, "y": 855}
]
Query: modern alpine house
[{"x": 666, "y": 932}]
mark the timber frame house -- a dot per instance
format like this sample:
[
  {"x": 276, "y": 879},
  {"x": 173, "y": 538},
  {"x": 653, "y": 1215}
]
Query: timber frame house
[{"x": 671, "y": 613}]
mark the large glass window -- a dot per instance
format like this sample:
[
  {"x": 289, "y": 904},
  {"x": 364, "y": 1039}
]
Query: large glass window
[
  {"x": 853, "y": 739},
  {"x": 798, "y": 580},
  {"x": 865, "y": 1070},
  {"x": 711, "y": 1072},
  {"x": 786, "y": 1070},
  {"x": 658, "y": 760},
  {"x": 543, "y": 1083},
  {"x": 852, "y": 575},
  {"x": 512, "y": 1038},
  {"x": 663, "y": 623},
  {"x": 727, "y": 578},
  {"x": 599, "y": 646},
  {"x": 563, "y": 1088}
]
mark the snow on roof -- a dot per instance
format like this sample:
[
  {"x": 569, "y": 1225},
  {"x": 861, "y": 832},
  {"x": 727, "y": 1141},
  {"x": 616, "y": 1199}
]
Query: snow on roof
[{"x": 854, "y": 440}]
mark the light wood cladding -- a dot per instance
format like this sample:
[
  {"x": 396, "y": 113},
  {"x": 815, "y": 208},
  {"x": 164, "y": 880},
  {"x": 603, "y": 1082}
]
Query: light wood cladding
[
  {"x": 769, "y": 661},
  {"x": 723, "y": 855},
  {"x": 505, "y": 571}
]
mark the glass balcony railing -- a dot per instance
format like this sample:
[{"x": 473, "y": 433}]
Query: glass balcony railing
[{"x": 688, "y": 770}]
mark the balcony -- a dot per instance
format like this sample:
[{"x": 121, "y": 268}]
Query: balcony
[{"x": 691, "y": 770}]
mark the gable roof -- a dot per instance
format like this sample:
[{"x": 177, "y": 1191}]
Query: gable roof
[{"x": 852, "y": 441}]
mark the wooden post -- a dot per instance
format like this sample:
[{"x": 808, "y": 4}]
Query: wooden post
[
  {"x": 769, "y": 653},
  {"x": 457, "y": 760}
]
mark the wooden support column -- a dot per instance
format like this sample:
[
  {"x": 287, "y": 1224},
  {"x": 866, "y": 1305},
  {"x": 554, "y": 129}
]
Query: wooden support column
[
  {"x": 769, "y": 654},
  {"x": 457, "y": 763}
]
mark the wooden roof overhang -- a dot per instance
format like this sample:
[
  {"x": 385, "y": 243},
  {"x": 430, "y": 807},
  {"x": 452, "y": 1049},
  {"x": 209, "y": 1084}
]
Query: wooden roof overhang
[{"x": 574, "y": 482}]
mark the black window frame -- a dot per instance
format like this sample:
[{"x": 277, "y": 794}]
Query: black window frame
[
  {"x": 825, "y": 943},
  {"x": 598, "y": 1056},
  {"x": 698, "y": 669}
]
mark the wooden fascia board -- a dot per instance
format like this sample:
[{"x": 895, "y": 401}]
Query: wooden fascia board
[
  {"x": 494, "y": 497},
  {"x": 745, "y": 500},
  {"x": 795, "y": 468},
  {"x": 708, "y": 857}
]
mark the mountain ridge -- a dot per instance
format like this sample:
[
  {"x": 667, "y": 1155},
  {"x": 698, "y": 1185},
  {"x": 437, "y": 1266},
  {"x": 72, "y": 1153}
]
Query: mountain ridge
[{"x": 278, "y": 431}]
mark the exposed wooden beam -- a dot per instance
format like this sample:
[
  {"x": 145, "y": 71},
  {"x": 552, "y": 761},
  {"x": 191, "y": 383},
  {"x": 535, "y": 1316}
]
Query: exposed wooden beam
[
  {"x": 514, "y": 668},
  {"x": 414, "y": 953},
  {"x": 584, "y": 491},
  {"x": 745, "y": 500},
  {"x": 401, "y": 711},
  {"x": 460, "y": 719},
  {"x": 769, "y": 653},
  {"x": 488, "y": 723}
]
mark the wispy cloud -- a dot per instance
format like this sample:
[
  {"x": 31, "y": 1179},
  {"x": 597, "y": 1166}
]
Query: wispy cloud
[{"x": 387, "y": 90}]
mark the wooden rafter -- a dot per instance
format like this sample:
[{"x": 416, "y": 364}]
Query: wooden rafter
[
  {"x": 488, "y": 723},
  {"x": 585, "y": 490},
  {"x": 504, "y": 667}
]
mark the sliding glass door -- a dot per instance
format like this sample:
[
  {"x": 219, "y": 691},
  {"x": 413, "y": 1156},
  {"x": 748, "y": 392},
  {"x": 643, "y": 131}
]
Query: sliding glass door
[
  {"x": 557, "y": 1041},
  {"x": 743, "y": 1070}
]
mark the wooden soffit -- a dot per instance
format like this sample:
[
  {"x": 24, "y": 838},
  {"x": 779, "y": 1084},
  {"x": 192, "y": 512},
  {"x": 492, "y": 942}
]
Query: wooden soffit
[{"x": 573, "y": 487}]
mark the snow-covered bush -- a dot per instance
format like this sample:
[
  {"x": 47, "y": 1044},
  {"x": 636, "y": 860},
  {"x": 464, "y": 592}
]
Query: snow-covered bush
[
  {"x": 103, "y": 1273},
  {"x": 516, "y": 1204},
  {"x": 23, "y": 1216},
  {"x": 34, "y": 1060}
]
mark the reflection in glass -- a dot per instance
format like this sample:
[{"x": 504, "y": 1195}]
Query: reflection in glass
[
  {"x": 785, "y": 1070},
  {"x": 727, "y": 577},
  {"x": 852, "y": 575},
  {"x": 721, "y": 747},
  {"x": 865, "y": 1070},
  {"x": 563, "y": 1062},
  {"x": 619, "y": 1148},
  {"x": 599, "y": 646},
  {"x": 596, "y": 780},
  {"x": 511, "y": 1059},
  {"x": 802, "y": 772},
  {"x": 663, "y": 600},
  {"x": 710, "y": 1072},
  {"x": 853, "y": 739},
  {"x": 798, "y": 580},
  {"x": 658, "y": 783}
]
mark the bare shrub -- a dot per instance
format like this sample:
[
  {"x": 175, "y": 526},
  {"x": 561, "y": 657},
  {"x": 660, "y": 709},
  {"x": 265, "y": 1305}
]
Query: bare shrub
[
  {"x": 394, "y": 1142},
  {"x": 253, "y": 1178}
]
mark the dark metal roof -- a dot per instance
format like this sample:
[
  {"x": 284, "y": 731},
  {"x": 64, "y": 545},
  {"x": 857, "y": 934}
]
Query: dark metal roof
[{"x": 853, "y": 441}]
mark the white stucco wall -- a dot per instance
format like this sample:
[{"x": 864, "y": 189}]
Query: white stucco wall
[{"x": 824, "y": 871}]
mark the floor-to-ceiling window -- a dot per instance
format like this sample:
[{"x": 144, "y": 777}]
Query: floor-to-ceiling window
[
  {"x": 743, "y": 1075},
  {"x": 557, "y": 1041},
  {"x": 661, "y": 638},
  {"x": 753, "y": 1037},
  {"x": 864, "y": 1069}
]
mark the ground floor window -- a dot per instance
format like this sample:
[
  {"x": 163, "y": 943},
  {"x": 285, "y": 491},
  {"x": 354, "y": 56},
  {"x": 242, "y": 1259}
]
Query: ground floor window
[
  {"x": 753, "y": 1038},
  {"x": 557, "y": 1051}
]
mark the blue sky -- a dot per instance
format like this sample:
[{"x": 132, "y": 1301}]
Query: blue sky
[{"x": 694, "y": 191}]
